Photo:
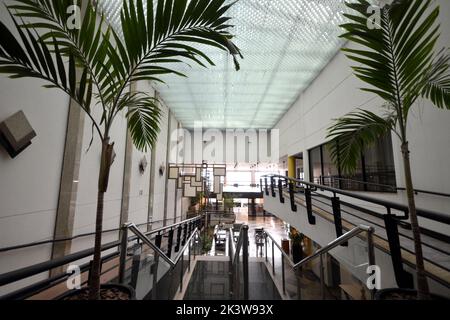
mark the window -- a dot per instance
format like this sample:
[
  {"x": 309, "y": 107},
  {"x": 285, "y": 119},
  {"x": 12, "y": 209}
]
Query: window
[
  {"x": 315, "y": 165},
  {"x": 375, "y": 172}
]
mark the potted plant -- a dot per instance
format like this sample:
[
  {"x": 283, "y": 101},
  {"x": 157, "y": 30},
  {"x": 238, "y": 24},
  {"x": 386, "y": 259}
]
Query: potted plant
[
  {"x": 228, "y": 203},
  {"x": 398, "y": 60},
  {"x": 96, "y": 61}
]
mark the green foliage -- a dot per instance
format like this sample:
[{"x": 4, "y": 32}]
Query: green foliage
[
  {"x": 399, "y": 63},
  {"x": 207, "y": 239},
  {"x": 355, "y": 132},
  {"x": 47, "y": 48},
  {"x": 228, "y": 202}
]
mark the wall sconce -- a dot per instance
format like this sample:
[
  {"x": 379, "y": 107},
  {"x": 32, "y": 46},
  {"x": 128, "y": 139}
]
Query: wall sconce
[
  {"x": 16, "y": 134},
  {"x": 143, "y": 165},
  {"x": 162, "y": 168}
]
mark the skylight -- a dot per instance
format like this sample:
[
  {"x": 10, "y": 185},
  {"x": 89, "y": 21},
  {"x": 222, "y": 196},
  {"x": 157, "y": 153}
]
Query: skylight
[{"x": 285, "y": 43}]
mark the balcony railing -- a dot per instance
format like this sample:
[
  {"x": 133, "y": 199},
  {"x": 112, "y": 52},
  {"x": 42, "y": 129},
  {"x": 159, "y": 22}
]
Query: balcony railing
[{"x": 396, "y": 215}]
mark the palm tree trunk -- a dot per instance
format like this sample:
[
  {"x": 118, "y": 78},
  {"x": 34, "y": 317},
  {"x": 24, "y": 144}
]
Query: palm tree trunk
[
  {"x": 422, "y": 283},
  {"x": 103, "y": 178}
]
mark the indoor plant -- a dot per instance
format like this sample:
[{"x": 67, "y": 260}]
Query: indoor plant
[
  {"x": 108, "y": 62},
  {"x": 397, "y": 59}
]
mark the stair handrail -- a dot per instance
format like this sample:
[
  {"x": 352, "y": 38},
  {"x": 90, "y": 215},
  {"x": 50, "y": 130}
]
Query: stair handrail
[
  {"x": 234, "y": 253},
  {"x": 140, "y": 235},
  {"x": 339, "y": 241},
  {"x": 343, "y": 239}
]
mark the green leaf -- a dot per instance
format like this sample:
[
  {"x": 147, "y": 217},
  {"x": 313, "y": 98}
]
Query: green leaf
[{"x": 355, "y": 132}]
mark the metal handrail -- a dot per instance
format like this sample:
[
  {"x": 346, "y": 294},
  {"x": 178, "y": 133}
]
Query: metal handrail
[
  {"x": 158, "y": 253},
  {"x": 29, "y": 271},
  {"x": 234, "y": 253},
  {"x": 340, "y": 240},
  {"x": 236, "y": 247},
  {"x": 343, "y": 239},
  {"x": 367, "y": 183},
  {"x": 172, "y": 226},
  {"x": 393, "y": 188},
  {"x": 173, "y": 262},
  {"x": 286, "y": 256},
  {"x": 432, "y": 215},
  {"x": 38, "y": 243}
]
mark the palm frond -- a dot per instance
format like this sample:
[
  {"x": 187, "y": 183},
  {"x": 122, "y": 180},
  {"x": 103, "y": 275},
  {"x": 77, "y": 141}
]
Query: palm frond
[
  {"x": 398, "y": 53},
  {"x": 172, "y": 31},
  {"x": 355, "y": 132},
  {"x": 143, "y": 114},
  {"x": 437, "y": 82},
  {"x": 90, "y": 43},
  {"x": 154, "y": 40}
]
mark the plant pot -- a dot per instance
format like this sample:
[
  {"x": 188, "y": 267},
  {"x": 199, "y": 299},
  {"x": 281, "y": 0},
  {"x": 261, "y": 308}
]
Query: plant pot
[
  {"x": 114, "y": 291},
  {"x": 402, "y": 294}
]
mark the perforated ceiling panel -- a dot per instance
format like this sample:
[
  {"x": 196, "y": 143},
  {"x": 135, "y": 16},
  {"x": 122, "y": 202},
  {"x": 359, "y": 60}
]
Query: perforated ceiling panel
[{"x": 285, "y": 43}]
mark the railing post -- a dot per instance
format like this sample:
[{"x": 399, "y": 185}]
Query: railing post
[
  {"x": 158, "y": 240},
  {"x": 403, "y": 278},
  {"x": 371, "y": 253},
  {"x": 272, "y": 187},
  {"x": 280, "y": 190},
  {"x": 155, "y": 277},
  {"x": 181, "y": 271},
  {"x": 308, "y": 199},
  {"x": 245, "y": 261},
  {"x": 322, "y": 280},
  {"x": 195, "y": 245},
  {"x": 292, "y": 197},
  {"x": 177, "y": 246},
  {"x": 265, "y": 247},
  {"x": 298, "y": 278},
  {"x": 135, "y": 267},
  {"x": 266, "y": 188},
  {"x": 123, "y": 253},
  {"x": 170, "y": 243},
  {"x": 184, "y": 235},
  {"x": 189, "y": 255},
  {"x": 273, "y": 258},
  {"x": 282, "y": 273},
  {"x": 336, "y": 205},
  {"x": 230, "y": 263}
]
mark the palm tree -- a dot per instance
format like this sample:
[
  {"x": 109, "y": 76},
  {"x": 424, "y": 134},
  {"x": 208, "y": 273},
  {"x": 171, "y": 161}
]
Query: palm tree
[
  {"x": 397, "y": 59},
  {"x": 97, "y": 61}
]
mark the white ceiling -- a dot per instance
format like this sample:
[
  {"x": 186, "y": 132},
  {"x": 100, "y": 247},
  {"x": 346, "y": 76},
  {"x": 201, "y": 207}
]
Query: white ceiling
[{"x": 285, "y": 43}]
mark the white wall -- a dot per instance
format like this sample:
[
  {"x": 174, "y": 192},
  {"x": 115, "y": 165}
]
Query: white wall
[
  {"x": 335, "y": 92},
  {"x": 29, "y": 184},
  {"x": 172, "y": 184},
  {"x": 160, "y": 160},
  {"x": 140, "y": 184}
]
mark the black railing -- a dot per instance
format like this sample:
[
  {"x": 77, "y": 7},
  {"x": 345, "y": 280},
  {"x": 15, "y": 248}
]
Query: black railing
[
  {"x": 347, "y": 183},
  {"x": 390, "y": 220},
  {"x": 35, "y": 288}
]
